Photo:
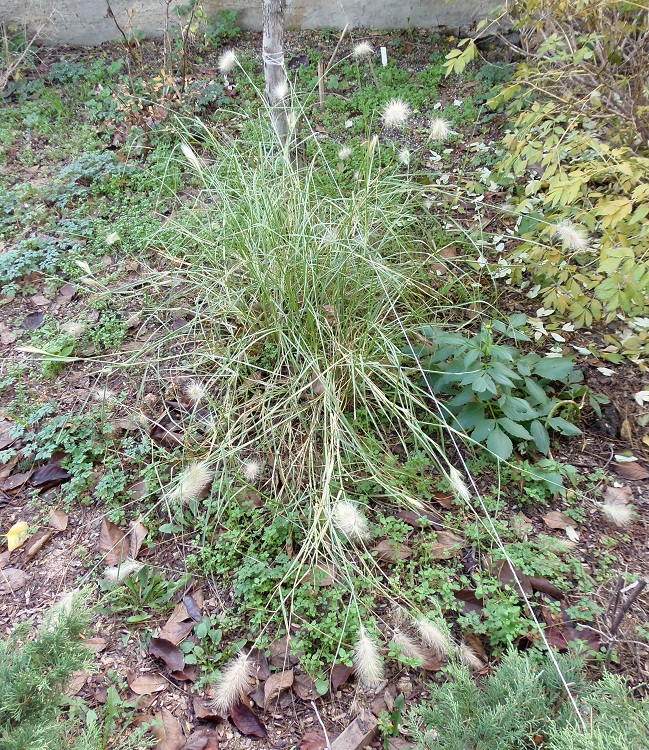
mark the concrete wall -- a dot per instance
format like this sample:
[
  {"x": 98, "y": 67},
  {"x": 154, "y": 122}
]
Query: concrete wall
[{"x": 85, "y": 22}]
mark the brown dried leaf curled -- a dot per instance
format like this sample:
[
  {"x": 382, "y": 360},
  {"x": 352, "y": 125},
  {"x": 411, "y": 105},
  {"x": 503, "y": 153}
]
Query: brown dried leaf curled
[
  {"x": 112, "y": 543},
  {"x": 276, "y": 684},
  {"x": 170, "y": 654},
  {"x": 247, "y": 722}
]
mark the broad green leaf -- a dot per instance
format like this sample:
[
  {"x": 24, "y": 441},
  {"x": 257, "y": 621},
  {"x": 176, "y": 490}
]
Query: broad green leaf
[
  {"x": 535, "y": 390},
  {"x": 517, "y": 409},
  {"x": 471, "y": 416},
  {"x": 553, "y": 368},
  {"x": 499, "y": 444},
  {"x": 514, "y": 428},
  {"x": 483, "y": 430},
  {"x": 541, "y": 437},
  {"x": 563, "y": 426}
]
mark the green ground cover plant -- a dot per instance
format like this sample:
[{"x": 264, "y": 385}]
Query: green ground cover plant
[{"x": 523, "y": 705}]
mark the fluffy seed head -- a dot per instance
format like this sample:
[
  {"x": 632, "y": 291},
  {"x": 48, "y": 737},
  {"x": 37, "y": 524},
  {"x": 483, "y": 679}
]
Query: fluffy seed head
[
  {"x": 195, "y": 391},
  {"x": 191, "y": 482},
  {"x": 396, "y": 113},
  {"x": 122, "y": 571},
  {"x": 251, "y": 470},
  {"x": 434, "y": 637},
  {"x": 408, "y": 646},
  {"x": 363, "y": 49},
  {"x": 191, "y": 157},
  {"x": 350, "y": 521},
  {"x": 440, "y": 129},
  {"x": 619, "y": 514},
  {"x": 74, "y": 328},
  {"x": 571, "y": 235},
  {"x": 457, "y": 484},
  {"x": 227, "y": 61},
  {"x": 344, "y": 153},
  {"x": 469, "y": 657},
  {"x": 234, "y": 679},
  {"x": 105, "y": 395},
  {"x": 368, "y": 661},
  {"x": 280, "y": 91},
  {"x": 404, "y": 157}
]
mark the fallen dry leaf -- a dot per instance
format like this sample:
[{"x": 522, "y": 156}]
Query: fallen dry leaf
[
  {"x": 448, "y": 545},
  {"x": 557, "y": 520},
  {"x": 633, "y": 471},
  {"x": 203, "y": 738},
  {"x": 170, "y": 654},
  {"x": 304, "y": 688},
  {"x": 112, "y": 543},
  {"x": 545, "y": 587},
  {"x": 178, "y": 626},
  {"x": 204, "y": 710},
  {"x": 17, "y": 535},
  {"x": 340, "y": 673},
  {"x": 48, "y": 476},
  {"x": 148, "y": 683},
  {"x": 95, "y": 645},
  {"x": 77, "y": 681},
  {"x": 15, "y": 481},
  {"x": 281, "y": 655},
  {"x": 11, "y": 579},
  {"x": 247, "y": 721},
  {"x": 170, "y": 735},
  {"x": 275, "y": 684},
  {"x": 189, "y": 673},
  {"x": 58, "y": 520},
  {"x": 136, "y": 535},
  {"x": 316, "y": 740},
  {"x": 34, "y": 545},
  {"x": 193, "y": 608},
  {"x": 259, "y": 664},
  {"x": 390, "y": 551},
  {"x": 6, "y": 436},
  {"x": 618, "y": 495},
  {"x": 419, "y": 520}
]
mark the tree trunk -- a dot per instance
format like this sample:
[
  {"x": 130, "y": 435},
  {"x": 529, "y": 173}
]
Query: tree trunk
[{"x": 274, "y": 69}]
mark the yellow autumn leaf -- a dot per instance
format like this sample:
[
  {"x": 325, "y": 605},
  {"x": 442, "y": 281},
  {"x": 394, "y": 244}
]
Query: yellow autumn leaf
[{"x": 17, "y": 535}]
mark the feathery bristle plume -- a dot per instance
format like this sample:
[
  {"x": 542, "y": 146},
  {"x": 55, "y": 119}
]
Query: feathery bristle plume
[
  {"x": 469, "y": 657},
  {"x": 122, "y": 571},
  {"x": 408, "y": 646},
  {"x": 434, "y": 637},
  {"x": 363, "y": 49},
  {"x": 404, "y": 157},
  {"x": 191, "y": 482},
  {"x": 396, "y": 113},
  {"x": 571, "y": 235},
  {"x": 251, "y": 470},
  {"x": 457, "y": 485},
  {"x": 619, "y": 514},
  {"x": 440, "y": 129},
  {"x": 227, "y": 61},
  {"x": 350, "y": 521},
  {"x": 234, "y": 679},
  {"x": 368, "y": 661},
  {"x": 195, "y": 391},
  {"x": 344, "y": 153}
]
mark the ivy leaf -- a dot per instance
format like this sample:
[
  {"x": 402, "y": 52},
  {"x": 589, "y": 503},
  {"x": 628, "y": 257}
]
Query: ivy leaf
[
  {"x": 541, "y": 437},
  {"x": 499, "y": 444}
]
